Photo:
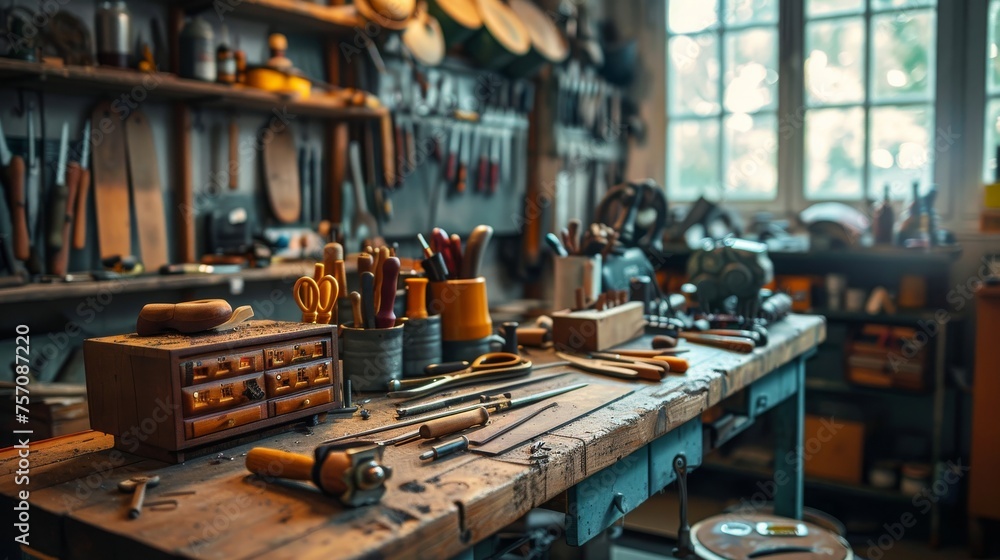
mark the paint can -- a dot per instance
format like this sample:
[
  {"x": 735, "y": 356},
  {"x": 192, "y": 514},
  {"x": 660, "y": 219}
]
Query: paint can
[
  {"x": 372, "y": 357},
  {"x": 421, "y": 345}
]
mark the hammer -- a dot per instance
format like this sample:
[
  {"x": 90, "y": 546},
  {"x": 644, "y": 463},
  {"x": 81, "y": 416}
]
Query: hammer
[{"x": 137, "y": 487}]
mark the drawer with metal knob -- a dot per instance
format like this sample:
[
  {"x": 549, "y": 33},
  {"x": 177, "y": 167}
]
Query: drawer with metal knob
[
  {"x": 220, "y": 422},
  {"x": 290, "y": 380},
  {"x": 300, "y": 401}
]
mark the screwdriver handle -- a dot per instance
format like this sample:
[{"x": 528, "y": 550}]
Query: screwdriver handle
[
  {"x": 386, "y": 316},
  {"x": 80, "y": 225},
  {"x": 451, "y": 424},
  {"x": 416, "y": 298},
  {"x": 18, "y": 207},
  {"x": 60, "y": 262}
]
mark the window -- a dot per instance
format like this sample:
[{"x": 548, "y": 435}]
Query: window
[
  {"x": 992, "y": 140},
  {"x": 722, "y": 91},
  {"x": 867, "y": 91},
  {"x": 869, "y": 95}
]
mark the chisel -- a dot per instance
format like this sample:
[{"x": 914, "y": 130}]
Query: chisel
[
  {"x": 420, "y": 408},
  {"x": 475, "y": 250},
  {"x": 58, "y": 211},
  {"x": 386, "y": 317},
  {"x": 495, "y": 404},
  {"x": 33, "y": 186},
  {"x": 14, "y": 175},
  {"x": 368, "y": 300},
  {"x": 82, "y": 192}
]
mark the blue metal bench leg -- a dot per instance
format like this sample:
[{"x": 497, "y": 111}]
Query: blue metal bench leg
[{"x": 789, "y": 420}]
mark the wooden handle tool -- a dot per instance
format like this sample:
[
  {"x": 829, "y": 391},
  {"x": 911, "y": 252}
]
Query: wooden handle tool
[
  {"x": 663, "y": 341},
  {"x": 18, "y": 206},
  {"x": 60, "y": 261},
  {"x": 234, "y": 154},
  {"x": 187, "y": 317},
  {"x": 352, "y": 473},
  {"x": 475, "y": 250},
  {"x": 416, "y": 298},
  {"x": 359, "y": 321},
  {"x": 366, "y": 263},
  {"x": 381, "y": 254},
  {"x": 333, "y": 260},
  {"x": 80, "y": 225},
  {"x": 456, "y": 423},
  {"x": 368, "y": 300},
  {"x": 388, "y": 149},
  {"x": 386, "y": 316},
  {"x": 732, "y": 343},
  {"x": 677, "y": 365},
  {"x": 533, "y": 336}
]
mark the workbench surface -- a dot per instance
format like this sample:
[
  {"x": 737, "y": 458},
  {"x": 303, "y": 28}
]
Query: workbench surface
[{"x": 430, "y": 510}]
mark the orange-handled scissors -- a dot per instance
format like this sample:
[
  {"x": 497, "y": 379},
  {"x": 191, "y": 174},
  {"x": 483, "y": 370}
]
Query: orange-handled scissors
[
  {"x": 316, "y": 298},
  {"x": 488, "y": 367}
]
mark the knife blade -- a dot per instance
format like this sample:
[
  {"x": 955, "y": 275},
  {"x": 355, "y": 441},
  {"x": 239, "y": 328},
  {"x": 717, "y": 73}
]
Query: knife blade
[{"x": 80, "y": 225}]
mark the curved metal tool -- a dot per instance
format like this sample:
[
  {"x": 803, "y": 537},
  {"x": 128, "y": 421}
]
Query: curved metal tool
[{"x": 495, "y": 365}]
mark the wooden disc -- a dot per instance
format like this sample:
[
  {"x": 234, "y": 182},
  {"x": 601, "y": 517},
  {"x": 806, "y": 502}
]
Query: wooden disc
[
  {"x": 462, "y": 12},
  {"x": 281, "y": 176},
  {"x": 391, "y": 14},
  {"x": 424, "y": 38},
  {"x": 504, "y": 26},
  {"x": 735, "y": 537},
  {"x": 545, "y": 37}
]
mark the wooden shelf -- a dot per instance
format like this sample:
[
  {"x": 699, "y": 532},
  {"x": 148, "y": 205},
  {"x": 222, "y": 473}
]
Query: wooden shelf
[
  {"x": 150, "y": 283},
  {"x": 903, "y": 318},
  {"x": 293, "y": 13},
  {"x": 137, "y": 86},
  {"x": 839, "y": 387},
  {"x": 862, "y": 490}
]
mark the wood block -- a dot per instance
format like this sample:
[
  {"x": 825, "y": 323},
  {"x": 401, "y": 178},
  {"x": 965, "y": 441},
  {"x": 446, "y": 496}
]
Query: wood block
[
  {"x": 841, "y": 457},
  {"x": 592, "y": 331}
]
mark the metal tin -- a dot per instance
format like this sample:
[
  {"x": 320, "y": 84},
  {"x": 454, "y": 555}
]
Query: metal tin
[
  {"x": 421, "y": 345},
  {"x": 197, "y": 50},
  {"x": 113, "y": 31},
  {"x": 466, "y": 350},
  {"x": 372, "y": 357}
]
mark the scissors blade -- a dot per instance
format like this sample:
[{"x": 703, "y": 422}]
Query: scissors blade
[
  {"x": 63, "y": 155},
  {"x": 85, "y": 149},
  {"x": 5, "y": 153},
  {"x": 465, "y": 378}
]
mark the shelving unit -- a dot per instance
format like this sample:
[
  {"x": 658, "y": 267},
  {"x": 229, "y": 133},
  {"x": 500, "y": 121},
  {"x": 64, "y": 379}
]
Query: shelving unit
[
  {"x": 149, "y": 283},
  {"x": 303, "y": 15},
  {"x": 867, "y": 267},
  {"x": 733, "y": 469},
  {"x": 166, "y": 86}
]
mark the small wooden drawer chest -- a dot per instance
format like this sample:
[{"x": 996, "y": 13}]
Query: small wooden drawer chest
[{"x": 167, "y": 396}]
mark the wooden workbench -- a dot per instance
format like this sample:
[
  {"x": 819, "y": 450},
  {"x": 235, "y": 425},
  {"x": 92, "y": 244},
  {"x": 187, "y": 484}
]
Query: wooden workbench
[{"x": 434, "y": 510}]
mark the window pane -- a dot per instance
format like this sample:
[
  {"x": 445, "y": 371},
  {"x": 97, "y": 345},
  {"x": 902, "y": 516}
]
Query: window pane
[
  {"x": 834, "y": 69},
  {"x": 901, "y": 148},
  {"x": 903, "y": 56},
  {"x": 816, "y": 8},
  {"x": 751, "y": 157},
  {"x": 693, "y": 75},
  {"x": 835, "y": 146},
  {"x": 742, "y": 12},
  {"x": 693, "y": 160},
  {"x": 751, "y": 70},
  {"x": 901, "y": 4},
  {"x": 992, "y": 140},
  {"x": 993, "y": 56},
  {"x": 685, "y": 16}
]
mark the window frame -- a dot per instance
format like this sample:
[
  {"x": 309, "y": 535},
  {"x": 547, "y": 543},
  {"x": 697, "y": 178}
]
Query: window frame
[
  {"x": 720, "y": 31},
  {"x": 959, "y": 106}
]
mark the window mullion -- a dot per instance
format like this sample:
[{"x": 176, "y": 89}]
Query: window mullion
[
  {"x": 866, "y": 187},
  {"x": 721, "y": 145}
]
